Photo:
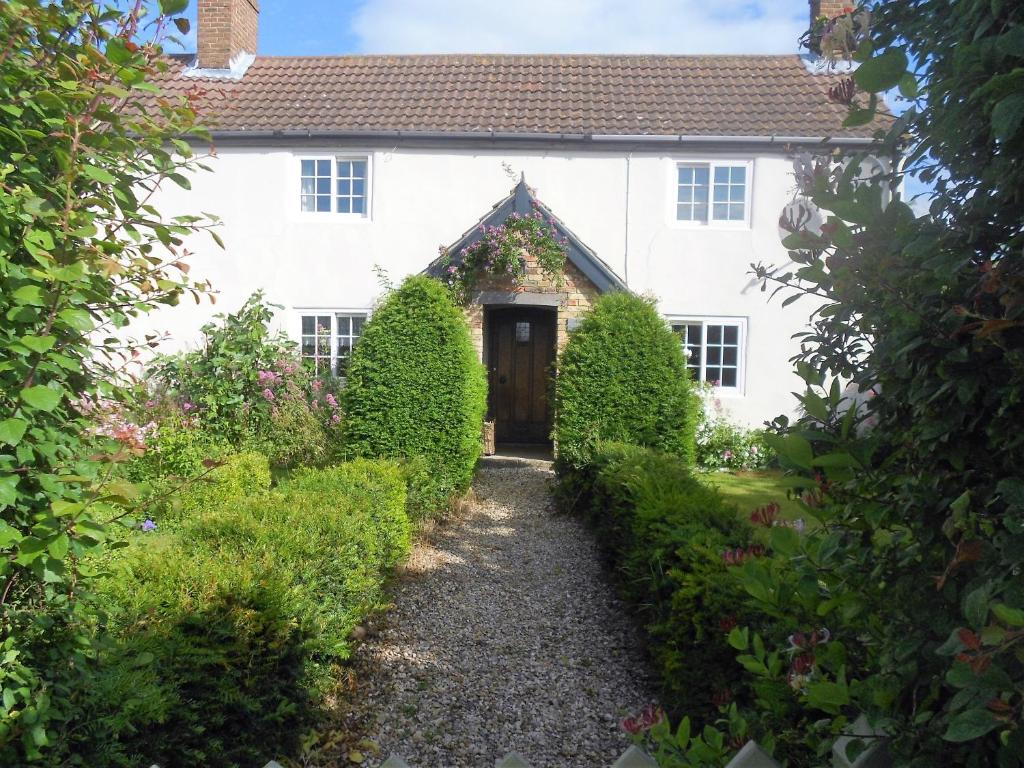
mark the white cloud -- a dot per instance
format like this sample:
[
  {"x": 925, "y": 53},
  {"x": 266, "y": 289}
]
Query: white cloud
[{"x": 580, "y": 26}]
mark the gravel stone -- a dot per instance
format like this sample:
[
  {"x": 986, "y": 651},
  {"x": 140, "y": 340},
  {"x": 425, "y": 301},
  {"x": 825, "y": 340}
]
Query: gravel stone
[{"x": 505, "y": 636}]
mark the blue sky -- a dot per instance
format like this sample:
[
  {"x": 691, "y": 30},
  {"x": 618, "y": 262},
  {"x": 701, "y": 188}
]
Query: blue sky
[{"x": 311, "y": 27}]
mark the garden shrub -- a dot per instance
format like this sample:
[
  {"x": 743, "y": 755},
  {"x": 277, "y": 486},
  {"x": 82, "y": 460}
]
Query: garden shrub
[
  {"x": 416, "y": 388},
  {"x": 176, "y": 449},
  {"x": 623, "y": 377},
  {"x": 246, "y": 387},
  {"x": 215, "y": 671},
  {"x": 84, "y": 251},
  {"x": 722, "y": 443},
  {"x": 665, "y": 534},
  {"x": 241, "y": 476},
  {"x": 243, "y": 606},
  {"x": 906, "y": 603}
]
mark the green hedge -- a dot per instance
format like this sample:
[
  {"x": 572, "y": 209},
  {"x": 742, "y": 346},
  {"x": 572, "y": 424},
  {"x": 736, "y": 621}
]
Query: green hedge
[
  {"x": 623, "y": 377},
  {"x": 664, "y": 533},
  {"x": 230, "y": 619},
  {"x": 416, "y": 388}
]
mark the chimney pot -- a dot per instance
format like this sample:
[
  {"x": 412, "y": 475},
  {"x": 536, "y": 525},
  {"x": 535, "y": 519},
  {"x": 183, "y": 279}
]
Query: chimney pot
[{"x": 226, "y": 28}]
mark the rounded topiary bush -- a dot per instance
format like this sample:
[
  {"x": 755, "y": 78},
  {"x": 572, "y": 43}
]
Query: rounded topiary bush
[
  {"x": 623, "y": 377},
  {"x": 416, "y": 388}
]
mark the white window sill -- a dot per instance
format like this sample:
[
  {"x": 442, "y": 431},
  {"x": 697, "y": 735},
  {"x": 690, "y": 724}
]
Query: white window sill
[
  {"x": 714, "y": 226},
  {"x": 307, "y": 217}
]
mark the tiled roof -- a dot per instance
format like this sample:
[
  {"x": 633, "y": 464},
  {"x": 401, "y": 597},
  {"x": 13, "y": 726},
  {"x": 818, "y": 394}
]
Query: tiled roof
[{"x": 545, "y": 94}]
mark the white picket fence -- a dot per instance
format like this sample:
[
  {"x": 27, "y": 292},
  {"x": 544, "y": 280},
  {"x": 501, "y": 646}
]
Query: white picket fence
[{"x": 751, "y": 756}]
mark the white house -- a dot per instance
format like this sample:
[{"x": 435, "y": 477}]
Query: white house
[{"x": 668, "y": 172}]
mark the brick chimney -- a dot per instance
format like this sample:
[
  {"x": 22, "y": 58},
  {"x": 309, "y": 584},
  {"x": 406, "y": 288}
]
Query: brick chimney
[
  {"x": 828, "y": 8},
  {"x": 226, "y": 29}
]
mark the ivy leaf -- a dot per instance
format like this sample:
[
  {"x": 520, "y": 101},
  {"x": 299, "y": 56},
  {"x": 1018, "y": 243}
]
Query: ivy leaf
[
  {"x": 102, "y": 175},
  {"x": 976, "y": 606},
  {"x": 882, "y": 72},
  {"x": 784, "y": 540},
  {"x": 8, "y": 490},
  {"x": 8, "y": 535},
  {"x": 1008, "y": 116},
  {"x": 970, "y": 724},
  {"x": 828, "y": 696},
  {"x": 41, "y": 397},
  {"x": 858, "y": 117},
  {"x": 908, "y": 86},
  {"x": 1012, "y": 616},
  {"x": 172, "y": 7},
  {"x": 78, "y": 319},
  {"x": 12, "y": 430},
  {"x": 58, "y": 548},
  {"x": 1012, "y": 43},
  {"x": 38, "y": 344}
]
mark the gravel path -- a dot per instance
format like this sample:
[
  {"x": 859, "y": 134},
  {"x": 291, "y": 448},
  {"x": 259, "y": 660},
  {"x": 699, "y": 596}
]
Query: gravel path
[{"x": 504, "y": 637}]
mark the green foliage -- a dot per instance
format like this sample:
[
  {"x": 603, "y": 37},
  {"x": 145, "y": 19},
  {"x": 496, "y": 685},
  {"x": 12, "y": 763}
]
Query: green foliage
[
  {"x": 240, "y": 476},
  {"x": 85, "y": 140},
  {"x": 723, "y": 444},
  {"x": 209, "y": 661},
  {"x": 665, "y": 533},
  {"x": 500, "y": 252},
  {"x": 623, "y": 377},
  {"x": 246, "y": 387},
  {"x": 416, "y": 388},
  {"x": 229, "y": 620},
  {"x": 915, "y": 569}
]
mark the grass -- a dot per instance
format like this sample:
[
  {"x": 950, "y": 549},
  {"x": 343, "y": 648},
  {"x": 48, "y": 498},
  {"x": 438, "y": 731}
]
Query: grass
[{"x": 750, "y": 490}]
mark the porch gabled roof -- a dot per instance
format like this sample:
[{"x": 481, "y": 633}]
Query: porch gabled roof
[{"x": 522, "y": 201}]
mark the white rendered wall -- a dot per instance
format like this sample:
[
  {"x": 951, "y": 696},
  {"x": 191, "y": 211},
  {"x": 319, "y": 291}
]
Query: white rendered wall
[{"x": 421, "y": 199}]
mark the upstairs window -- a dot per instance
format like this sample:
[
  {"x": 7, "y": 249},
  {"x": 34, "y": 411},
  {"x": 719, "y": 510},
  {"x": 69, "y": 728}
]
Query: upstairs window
[
  {"x": 328, "y": 340},
  {"x": 713, "y": 351},
  {"x": 336, "y": 185},
  {"x": 712, "y": 192}
]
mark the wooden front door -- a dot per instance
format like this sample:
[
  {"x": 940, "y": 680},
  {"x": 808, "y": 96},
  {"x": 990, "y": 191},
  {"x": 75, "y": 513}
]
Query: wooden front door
[{"x": 521, "y": 358}]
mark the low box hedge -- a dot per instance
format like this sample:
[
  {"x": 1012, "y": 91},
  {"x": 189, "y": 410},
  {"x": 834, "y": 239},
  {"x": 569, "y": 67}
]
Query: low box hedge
[
  {"x": 230, "y": 617},
  {"x": 664, "y": 533}
]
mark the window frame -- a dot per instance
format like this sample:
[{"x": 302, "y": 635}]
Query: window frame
[
  {"x": 294, "y": 189},
  {"x": 711, "y": 164},
  {"x": 741, "y": 351},
  {"x": 334, "y": 313}
]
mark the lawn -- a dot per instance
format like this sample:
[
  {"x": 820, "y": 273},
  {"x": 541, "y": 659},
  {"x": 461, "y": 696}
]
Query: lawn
[{"x": 750, "y": 490}]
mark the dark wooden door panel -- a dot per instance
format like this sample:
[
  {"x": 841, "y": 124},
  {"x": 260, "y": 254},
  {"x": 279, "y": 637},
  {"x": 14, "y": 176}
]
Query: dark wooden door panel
[{"x": 521, "y": 356}]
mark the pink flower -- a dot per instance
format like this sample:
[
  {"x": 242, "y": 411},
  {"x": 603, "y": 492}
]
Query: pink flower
[
  {"x": 186, "y": 407},
  {"x": 336, "y": 418},
  {"x": 331, "y": 401},
  {"x": 727, "y": 455},
  {"x": 268, "y": 395},
  {"x": 318, "y": 385},
  {"x": 646, "y": 720}
]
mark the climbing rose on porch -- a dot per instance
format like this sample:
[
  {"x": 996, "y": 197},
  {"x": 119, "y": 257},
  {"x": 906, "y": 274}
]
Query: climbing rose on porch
[{"x": 501, "y": 251}]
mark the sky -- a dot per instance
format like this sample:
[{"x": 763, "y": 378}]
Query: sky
[{"x": 314, "y": 27}]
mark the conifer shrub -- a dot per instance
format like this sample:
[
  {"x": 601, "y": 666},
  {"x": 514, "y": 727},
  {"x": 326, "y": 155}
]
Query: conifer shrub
[
  {"x": 622, "y": 377},
  {"x": 668, "y": 539},
  {"x": 416, "y": 387}
]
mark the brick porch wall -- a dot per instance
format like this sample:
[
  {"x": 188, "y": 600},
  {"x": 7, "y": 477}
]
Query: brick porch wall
[{"x": 576, "y": 295}]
